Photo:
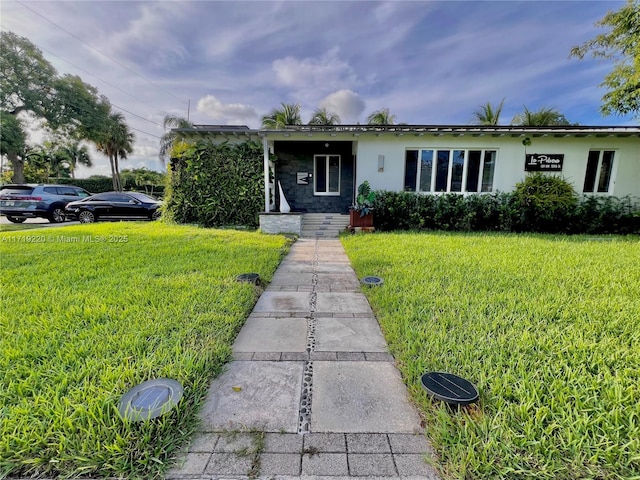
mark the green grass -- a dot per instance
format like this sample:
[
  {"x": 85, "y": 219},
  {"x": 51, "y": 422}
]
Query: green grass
[
  {"x": 90, "y": 311},
  {"x": 547, "y": 327},
  {"x": 18, "y": 227}
]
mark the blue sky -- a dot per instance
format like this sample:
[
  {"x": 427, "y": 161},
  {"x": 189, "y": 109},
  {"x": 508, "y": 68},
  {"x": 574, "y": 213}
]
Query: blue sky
[{"x": 233, "y": 61}]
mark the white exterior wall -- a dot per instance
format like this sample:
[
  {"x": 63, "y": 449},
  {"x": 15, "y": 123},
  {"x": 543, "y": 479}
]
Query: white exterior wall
[{"x": 510, "y": 158}]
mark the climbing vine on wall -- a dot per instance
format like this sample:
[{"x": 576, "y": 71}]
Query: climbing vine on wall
[{"x": 216, "y": 185}]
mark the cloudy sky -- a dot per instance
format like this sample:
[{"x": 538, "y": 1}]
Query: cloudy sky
[{"x": 230, "y": 62}]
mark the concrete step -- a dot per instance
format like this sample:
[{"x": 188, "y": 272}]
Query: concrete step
[{"x": 323, "y": 224}]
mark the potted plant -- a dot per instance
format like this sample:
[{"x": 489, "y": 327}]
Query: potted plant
[{"x": 361, "y": 213}]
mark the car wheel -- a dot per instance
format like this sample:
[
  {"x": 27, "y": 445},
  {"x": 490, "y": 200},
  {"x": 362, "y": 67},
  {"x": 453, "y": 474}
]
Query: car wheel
[
  {"x": 56, "y": 215},
  {"x": 156, "y": 215},
  {"x": 86, "y": 217},
  {"x": 16, "y": 219}
]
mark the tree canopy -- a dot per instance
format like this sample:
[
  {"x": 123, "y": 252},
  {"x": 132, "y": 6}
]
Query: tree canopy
[
  {"x": 116, "y": 142},
  {"x": 543, "y": 117},
  {"x": 279, "y": 118},
  {"x": 323, "y": 117},
  {"x": 29, "y": 83},
  {"x": 169, "y": 138},
  {"x": 622, "y": 45},
  {"x": 488, "y": 114},
  {"x": 381, "y": 117}
]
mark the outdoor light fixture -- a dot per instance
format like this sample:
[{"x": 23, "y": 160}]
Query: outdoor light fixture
[
  {"x": 249, "y": 278},
  {"x": 449, "y": 388},
  {"x": 150, "y": 399}
]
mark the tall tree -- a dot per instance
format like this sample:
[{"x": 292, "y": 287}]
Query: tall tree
[
  {"x": 622, "y": 45},
  {"x": 77, "y": 154},
  {"x": 381, "y": 117},
  {"x": 279, "y": 118},
  {"x": 29, "y": 83},
  {"x": 539, "y": 118},
  {"x": 488, "y": 114},
  {"x": 116, "y": 142},
  {"x": 322, "y": 117},
  {"x": 170, "y": 137}
]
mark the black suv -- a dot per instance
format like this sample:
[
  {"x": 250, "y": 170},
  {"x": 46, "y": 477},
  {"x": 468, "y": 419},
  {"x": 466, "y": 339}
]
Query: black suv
[{"x": 19, "y": 202}]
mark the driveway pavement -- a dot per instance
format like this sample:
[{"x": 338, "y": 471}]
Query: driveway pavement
[{"x": 312, "y": 391}]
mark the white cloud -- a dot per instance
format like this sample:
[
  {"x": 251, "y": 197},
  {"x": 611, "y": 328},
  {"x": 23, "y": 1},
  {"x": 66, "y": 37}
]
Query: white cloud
[
  {"x": 323, "y": 74},
  {"x": 346, "y": 103},
  {"x": 149, "y": 32},
  {"x": 232, "y": 113}
]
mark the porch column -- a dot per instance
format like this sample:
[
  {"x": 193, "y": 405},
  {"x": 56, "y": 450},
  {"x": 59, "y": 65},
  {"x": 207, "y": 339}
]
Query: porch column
[{"x": 265, "y": 151}]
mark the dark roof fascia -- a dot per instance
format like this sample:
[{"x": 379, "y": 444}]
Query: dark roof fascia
[{"x": 418, "y": 130}]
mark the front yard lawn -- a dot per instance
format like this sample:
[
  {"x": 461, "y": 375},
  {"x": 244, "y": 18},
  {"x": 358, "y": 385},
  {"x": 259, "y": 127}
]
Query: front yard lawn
[
  {"x": 88, "y": 312},
  {"x": 547, "y": 327}
]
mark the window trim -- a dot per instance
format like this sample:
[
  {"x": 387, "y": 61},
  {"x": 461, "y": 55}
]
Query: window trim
[
  {"x": 612, "y": 174},
  {"x": 465, "y": 169},
  {"x": 315, "y": 176}
]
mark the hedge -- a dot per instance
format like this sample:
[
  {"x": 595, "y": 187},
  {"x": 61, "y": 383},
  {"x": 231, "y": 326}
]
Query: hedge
[
  {"x": 507, "y": 212},
  {"x": 100, "y": 183},
  {"x": 216, "y": 185}
]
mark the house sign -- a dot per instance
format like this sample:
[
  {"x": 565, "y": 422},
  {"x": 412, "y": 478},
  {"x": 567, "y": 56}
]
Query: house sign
[{"x": 543, "y": 162}]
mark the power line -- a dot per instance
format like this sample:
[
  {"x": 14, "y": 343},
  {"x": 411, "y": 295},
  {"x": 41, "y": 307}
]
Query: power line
[
  {"x": 111, "y": 103},
  {"x": 136, "y": 115},
  {"x": 103, "y": 81},
  {"x": 142, "y": 131},
  {"x": 101, "y": 53}
]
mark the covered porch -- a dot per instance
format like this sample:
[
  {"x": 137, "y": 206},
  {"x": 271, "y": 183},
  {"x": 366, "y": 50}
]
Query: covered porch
[{"x": 314, "y": 176}]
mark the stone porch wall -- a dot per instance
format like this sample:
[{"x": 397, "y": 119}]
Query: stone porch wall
[{"x": 275, "y": 222}]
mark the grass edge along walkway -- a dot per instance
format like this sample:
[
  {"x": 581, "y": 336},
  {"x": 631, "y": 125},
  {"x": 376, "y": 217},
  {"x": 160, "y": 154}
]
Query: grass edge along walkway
[
  {"x": 90, "y": 311},
  {"x": 548, "y": 327}
]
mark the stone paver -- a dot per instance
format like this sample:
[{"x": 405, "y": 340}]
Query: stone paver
[
  {"x": 280, "y": 464},
  {"x": 350, "y": 302},
  {"x": 367, "y": 465},
  {"x": 325, "y": 464},
  {"x": 311, "y": 342},
  {"x": 229, "y": 464},
  {"x": 325, "y": 443},
  {"x": 368, "y": 443},
  {"x": 349, "y": 335},
  {"x": 348, "y": 397},
  {"x": 282, "y": 302},
  {"x": 414, "y": 464},
  {"x": 272, "y": 335},
  {"x": 261, "y": 395}
]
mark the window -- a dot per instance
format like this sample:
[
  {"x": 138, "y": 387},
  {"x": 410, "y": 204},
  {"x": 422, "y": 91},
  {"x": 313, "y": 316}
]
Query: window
[
  {"x": 599, "y": 169},
  {"x": 326, "y": 174},
  {"x": 453, "y": 171},
  {"x": 71, "y": 192}
]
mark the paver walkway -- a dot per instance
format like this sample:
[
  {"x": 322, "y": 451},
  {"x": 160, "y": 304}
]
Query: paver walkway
[{"x": 312, "y": 390}]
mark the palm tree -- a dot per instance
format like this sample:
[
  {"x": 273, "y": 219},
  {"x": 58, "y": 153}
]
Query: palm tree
[
  {"x": 279, "y": 118},
  {"x": 77, "y": 155},
  {"x": 540, "y": 118},
  {"x": 170, "y": 137},
  {"x": 487, "y": 114},
  {"x": 116, "y": 142},
  {"x": 381, "y": 117},
  {"x": 322, "y": 117}
]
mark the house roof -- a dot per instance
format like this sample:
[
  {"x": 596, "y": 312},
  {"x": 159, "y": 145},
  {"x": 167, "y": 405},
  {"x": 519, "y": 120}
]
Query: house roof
[{"x": 230, "y": 131}]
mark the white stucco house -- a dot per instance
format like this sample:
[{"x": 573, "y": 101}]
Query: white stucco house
[{"x": 320, "y": 167}]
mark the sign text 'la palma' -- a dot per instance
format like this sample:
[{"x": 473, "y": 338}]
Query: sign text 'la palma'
[{"x": 543, "y": 162}]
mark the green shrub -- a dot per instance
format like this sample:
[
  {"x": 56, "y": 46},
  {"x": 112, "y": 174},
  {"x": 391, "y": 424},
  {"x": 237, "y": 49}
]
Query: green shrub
[
  {"x": 216, "y": 185},
  {"x": 598, "y": 214},
  {"x": 94, "y": 184},
  {"x": 545, "y": 203},
  {"x": 508, "y": 212}
]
